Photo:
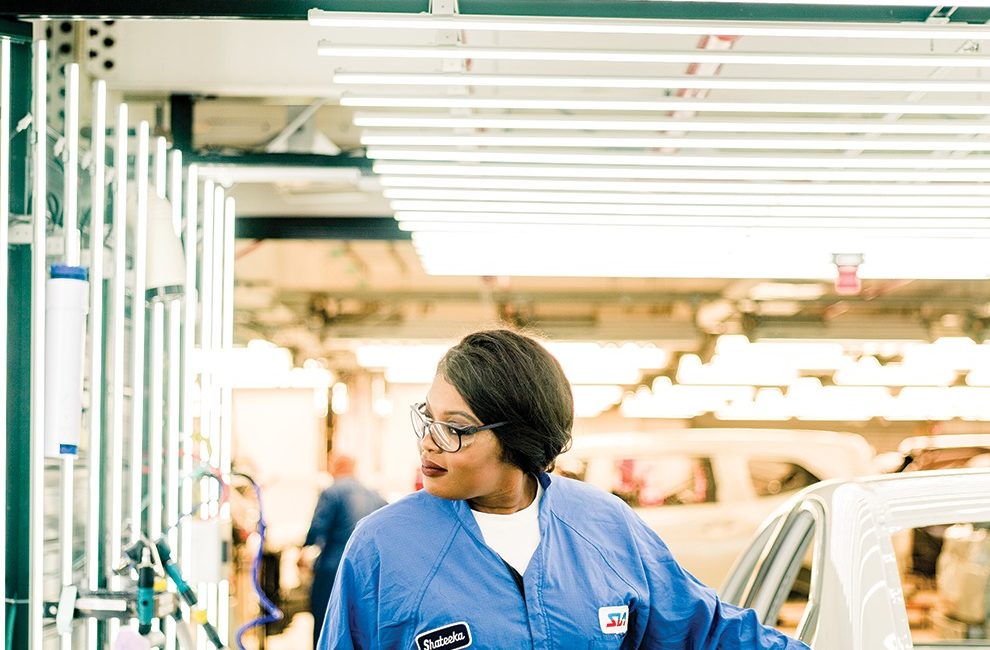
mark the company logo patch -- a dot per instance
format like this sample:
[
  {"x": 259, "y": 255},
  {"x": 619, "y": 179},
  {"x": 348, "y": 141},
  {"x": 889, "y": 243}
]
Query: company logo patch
[
  {"x": 448, "y": 637},
  {"x": 614, "y": 620}
]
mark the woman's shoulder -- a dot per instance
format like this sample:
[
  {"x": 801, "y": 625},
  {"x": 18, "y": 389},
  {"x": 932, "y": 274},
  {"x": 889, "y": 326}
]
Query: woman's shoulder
[
  {"x": 573, "y": 497},
  {"x": 414, "y": 516}
]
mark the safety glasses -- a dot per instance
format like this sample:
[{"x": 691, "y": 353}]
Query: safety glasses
[{"x": 448, "y": 437}]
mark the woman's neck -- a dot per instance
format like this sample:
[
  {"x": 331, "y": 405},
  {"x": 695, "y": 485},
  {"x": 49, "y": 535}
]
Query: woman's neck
[{"x": 515, "y": 495}]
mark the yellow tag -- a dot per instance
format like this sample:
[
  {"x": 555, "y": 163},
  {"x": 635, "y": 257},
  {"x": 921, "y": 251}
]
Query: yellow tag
[
  {"x": 161, "y": 584},
  {"x": 199, "y": 615}
]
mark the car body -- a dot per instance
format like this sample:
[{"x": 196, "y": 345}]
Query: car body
[
  {"x": 855, "y": 598},
  {"x": 706, "y": 491},
  {"x": 919, "y": 548}
]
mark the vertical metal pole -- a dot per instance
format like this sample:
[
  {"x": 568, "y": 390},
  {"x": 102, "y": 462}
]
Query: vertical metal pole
[
  {"x": 161, "y": 170},
  {"x": 5, "y": 108},
  {"x": 70, "y": 221},
  {"x": 138, "y": 327},
  {"x": 118, "y": 330},
  {"x": 39, "y": 244},
  {"x": 188, "y": 347},
  {"x": 226, "y": 414},
  {"x": 70, "y": 228},
  {"x": 174, "y": 362},
  {"x": 206, "y": 407},
  {"x": 155, "y": 415},
  {"x": 94, "y": 522},
  {"x": 175, "y": 189},
  {"x": 174, "y": 390},
  {"x": 118, "y": 341}
]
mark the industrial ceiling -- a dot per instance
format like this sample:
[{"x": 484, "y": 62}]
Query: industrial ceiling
[{"x": 662, "y": 171}]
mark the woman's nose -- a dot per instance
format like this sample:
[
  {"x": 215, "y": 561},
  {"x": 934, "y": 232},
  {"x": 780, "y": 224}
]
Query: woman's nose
[{"x": 429, "y": 444}]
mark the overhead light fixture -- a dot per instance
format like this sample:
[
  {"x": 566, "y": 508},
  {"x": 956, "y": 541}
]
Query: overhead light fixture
[
  {"x": 456, "y": 79},
  {"x": 841, "y": 234},
  {"x": 680, "y": 142},
  {"x": 603, "y": 25},
  {"x": 955, "y": 217},
  {"x": 735, "y": 192},
  {"x": 340, "y": 50},
  {"x": 571, "y": 123},
  {"x": 578, "y": 104},
  {"x": 782, "y": 197},
  {"x": 689, "y": 174},
  {"x": 663, "y": 252},
  {"x": 667, "y": 160}
]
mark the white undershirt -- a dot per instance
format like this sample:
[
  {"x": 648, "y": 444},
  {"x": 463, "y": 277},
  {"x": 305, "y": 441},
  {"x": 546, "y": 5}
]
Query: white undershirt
[{"x": 514, "y": 536}]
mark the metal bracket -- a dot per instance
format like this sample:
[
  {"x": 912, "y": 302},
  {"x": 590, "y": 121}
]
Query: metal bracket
[
  {"x": 104, "y": 605},
  {"x": 66, "y": 609}
]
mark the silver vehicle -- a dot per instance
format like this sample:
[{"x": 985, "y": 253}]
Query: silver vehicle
[{"x": 856, "y": 597}]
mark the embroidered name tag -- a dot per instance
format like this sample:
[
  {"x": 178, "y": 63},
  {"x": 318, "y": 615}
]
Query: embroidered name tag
[
  {"x": 614, "y": 620},
  {"x": 448, "y": 637}
]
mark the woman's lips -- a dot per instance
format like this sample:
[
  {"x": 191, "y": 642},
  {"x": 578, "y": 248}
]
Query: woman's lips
[{"x": 432, "y": 469}]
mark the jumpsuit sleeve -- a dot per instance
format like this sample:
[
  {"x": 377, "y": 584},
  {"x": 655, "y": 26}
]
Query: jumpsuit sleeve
[
  {"x": 323, "y": 516},
  {"x": 352, "y": 617},
  {"x": 685, "y": 614}
]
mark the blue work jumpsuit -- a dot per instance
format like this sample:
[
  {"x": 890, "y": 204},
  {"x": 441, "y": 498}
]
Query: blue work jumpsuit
[{"x": 418, "y": 574}]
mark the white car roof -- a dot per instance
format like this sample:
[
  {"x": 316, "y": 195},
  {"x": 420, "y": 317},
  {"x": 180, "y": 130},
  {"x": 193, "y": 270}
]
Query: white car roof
[{"x": 912, "y": 499}]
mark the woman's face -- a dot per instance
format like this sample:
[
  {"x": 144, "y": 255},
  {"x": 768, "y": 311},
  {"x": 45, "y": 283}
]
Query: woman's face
[{"x": 476, "y": 471}]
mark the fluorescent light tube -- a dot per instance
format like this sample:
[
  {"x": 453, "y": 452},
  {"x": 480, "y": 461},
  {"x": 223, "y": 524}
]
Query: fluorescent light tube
[
  {"x": 657, "y": 142},
  {"x": 781, "y": 198},
  {"x": 621, "y": 82},
  {"x": 568, "y": 123},
  {"x": 599, "y": 25},
  {"x": 562, "y": 104},
  {"x": 941, "y": 214},
  {"x": 688, "y": 173},
  {"x": 340, "y": 50},
  {"x": 665, "y": 160},
  {"x": 850, "y": 226},
  {"x": 661, "y": 254},
  {"x": 790, "y": 191},
  {"x": 842, "y": 235}
]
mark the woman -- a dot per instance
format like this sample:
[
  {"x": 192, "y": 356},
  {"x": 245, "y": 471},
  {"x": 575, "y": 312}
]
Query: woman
[{"x": 496, "y": 553}]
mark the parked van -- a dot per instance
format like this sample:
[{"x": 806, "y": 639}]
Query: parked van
[{"x": 706, "y": 491}]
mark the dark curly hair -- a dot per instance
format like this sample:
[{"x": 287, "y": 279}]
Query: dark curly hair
[{"x": 504, "y": 375}]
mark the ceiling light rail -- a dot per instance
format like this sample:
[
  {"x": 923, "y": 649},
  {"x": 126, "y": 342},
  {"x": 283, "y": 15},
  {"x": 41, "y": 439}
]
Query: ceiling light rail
[
  {"x": 577, "y": 25},
  {"x": 943, "y": 214},
  {"x": 738, "y": 192},
  {"x": 663, "y": 160},
  {"x": 454, "y": 221},
  {"x": 575, "y": 104},
  {"x": 780, "y": 198},
  {"x": 626, "y": 172},
  {"x": 657, "y": 142},
  {"x": 348, "y": 51},
  {"x": 568, "y": 123},
  {"x": 620, "y": 82}
]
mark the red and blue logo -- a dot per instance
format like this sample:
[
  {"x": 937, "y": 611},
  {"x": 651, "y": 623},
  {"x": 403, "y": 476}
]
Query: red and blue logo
[{"x": 614, "y": 619}]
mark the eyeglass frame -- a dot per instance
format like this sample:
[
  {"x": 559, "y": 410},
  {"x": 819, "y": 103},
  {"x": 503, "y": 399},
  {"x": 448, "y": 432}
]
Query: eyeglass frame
[{"x": 461, "y": 431}]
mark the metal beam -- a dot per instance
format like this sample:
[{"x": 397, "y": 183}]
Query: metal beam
[
  {"x": 297, "y": 9},
  {"x": 280, "y": 160},
  {"x": 269, "y": 227},
  {"x": 181, "y": 117}
]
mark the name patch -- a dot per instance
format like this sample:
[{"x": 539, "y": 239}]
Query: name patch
[
  {"x": 448, "y": 637},
  {"x": 614, "y": 620}
]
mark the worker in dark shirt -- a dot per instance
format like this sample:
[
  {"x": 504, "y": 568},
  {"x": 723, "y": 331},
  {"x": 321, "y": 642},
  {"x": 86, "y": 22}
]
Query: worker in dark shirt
[{"x": 338, "y": 510}]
